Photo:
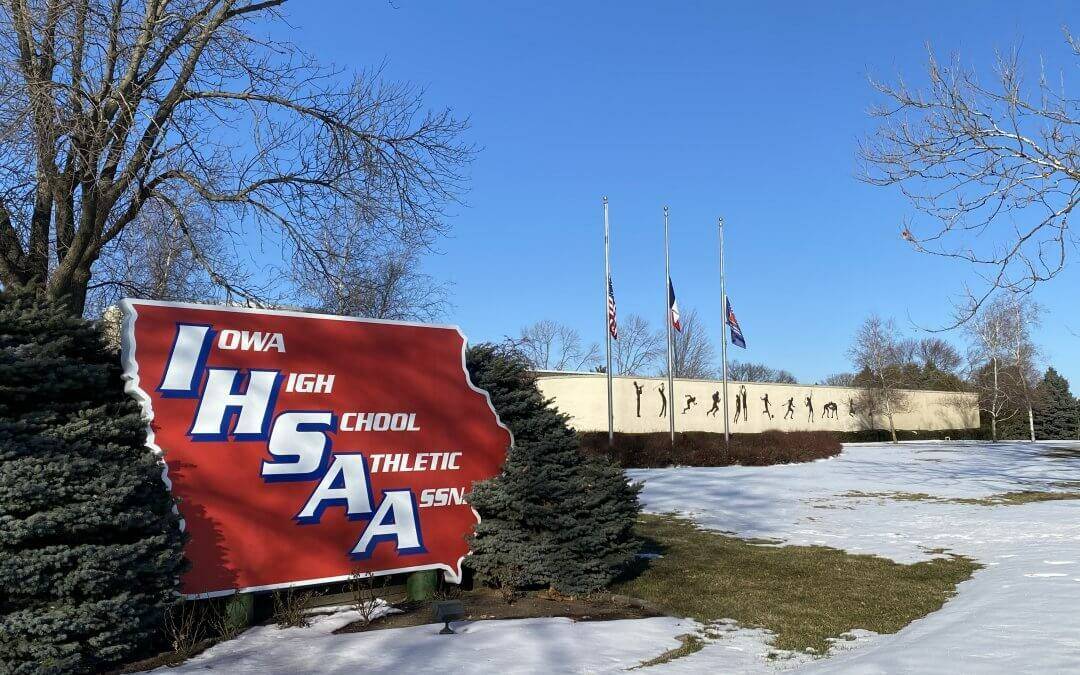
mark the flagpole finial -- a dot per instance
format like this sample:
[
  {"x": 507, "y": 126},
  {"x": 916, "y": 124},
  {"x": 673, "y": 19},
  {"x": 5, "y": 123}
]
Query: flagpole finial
[
  {"x": 665, "y": 209},
  {"x": 605, "y": 199}
]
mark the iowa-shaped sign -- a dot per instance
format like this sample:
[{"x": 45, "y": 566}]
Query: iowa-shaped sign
[{"x": 304, "y": 448}]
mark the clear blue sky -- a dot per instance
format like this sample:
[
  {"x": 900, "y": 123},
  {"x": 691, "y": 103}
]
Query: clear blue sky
[{"x": 747, "y": 110}]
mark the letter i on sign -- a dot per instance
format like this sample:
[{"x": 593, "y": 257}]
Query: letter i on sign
[{"x": 187, "y": 359}]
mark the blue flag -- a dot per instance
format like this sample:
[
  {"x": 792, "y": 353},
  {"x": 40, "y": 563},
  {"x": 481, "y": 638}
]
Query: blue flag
[{"x": 737, "y": 338}]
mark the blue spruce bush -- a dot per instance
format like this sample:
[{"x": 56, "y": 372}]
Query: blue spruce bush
[
  {"x": 90, "y": 550},
  {"x": 553, "y": 517}
]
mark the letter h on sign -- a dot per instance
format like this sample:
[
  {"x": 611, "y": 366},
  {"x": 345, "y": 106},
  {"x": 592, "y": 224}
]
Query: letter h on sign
[{"x": 222, "y": 400}]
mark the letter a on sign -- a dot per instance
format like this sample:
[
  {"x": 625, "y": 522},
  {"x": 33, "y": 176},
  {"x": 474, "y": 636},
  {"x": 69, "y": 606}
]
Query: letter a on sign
[{"x": 275, "y": 482}]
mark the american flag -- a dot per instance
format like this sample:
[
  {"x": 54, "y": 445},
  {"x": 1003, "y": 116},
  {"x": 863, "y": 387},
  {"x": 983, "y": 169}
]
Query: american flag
[{"x": 612, "y": 324}]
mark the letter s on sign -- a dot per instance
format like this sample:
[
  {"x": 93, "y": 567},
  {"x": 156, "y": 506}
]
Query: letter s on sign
[{"x": 300, "y": 434}]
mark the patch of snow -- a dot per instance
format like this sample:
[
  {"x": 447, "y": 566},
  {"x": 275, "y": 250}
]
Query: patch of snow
[
  {"x": 519, "y": 646},
  {"x": 734, "y": 650}
]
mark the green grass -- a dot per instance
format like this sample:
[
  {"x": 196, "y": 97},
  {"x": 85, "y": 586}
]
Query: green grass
[
  {"x": 803, "y": 594},
  {"x": 1003, "y": 499}
]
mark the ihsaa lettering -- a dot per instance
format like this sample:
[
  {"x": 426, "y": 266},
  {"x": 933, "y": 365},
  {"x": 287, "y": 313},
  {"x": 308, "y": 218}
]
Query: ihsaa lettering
[
  {"x": 248, "y": 341},
  {"x": 449, "y": 496},
  {"x": 238, "y": 405},
  {"x": 381, "y": 421},
  {"x": 310, "y": 383}
]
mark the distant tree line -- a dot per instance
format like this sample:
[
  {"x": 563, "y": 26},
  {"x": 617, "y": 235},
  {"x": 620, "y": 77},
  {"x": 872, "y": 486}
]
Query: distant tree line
[
  {"x": 1016, "y": 400},
  {"x": 640, "y": 350},
  {"x": 1000, "y": 364}
]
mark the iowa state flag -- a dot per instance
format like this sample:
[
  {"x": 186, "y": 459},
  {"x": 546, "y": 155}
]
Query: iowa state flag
[
  {"x": 673, "y": 306},
  {"x": 737, "y": 338}
]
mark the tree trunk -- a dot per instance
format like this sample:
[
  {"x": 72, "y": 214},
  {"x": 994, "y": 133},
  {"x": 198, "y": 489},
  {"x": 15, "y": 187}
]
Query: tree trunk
[
  {"x": 1031, "y": 423},
  {"x": 72, "y": 289},
  {"x": 994, "y": 405},
  {"x": 889, "y": 414}
]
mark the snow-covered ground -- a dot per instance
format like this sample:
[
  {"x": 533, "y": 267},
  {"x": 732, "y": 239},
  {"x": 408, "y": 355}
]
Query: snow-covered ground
[
  {"x": 1021, "y": 613},
  {"x": 525, "y": 646}
]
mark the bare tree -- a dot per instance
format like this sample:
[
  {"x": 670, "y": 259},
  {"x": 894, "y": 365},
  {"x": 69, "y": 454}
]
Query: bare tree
[
  {"x": 1002, "y": 356},
  {"x": 694, "y": 356},
  {"x": 839, "y": 380},
  {"x": 938, "y": 354},
  {"x": 377, "y": 276},
  {"x": 758, "y": 372},
  {"x": 152, "y": 259},
  {"x": 993, "y": 165},
  {"x": 907, "y": 349},
  {"x": 1023, "y": 353},
  {"x": 549, "y": 345},
  {"x": 108, "y": 108},
  {"x": 878, "y": 353},
  {"x": 638, "y": 348}
]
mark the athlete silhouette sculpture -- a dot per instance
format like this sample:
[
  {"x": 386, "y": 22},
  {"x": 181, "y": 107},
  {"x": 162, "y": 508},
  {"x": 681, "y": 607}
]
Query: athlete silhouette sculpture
[
  {"x": 637, "y": 392},
  {"x": 809, "y": 408},
  {"x": 790, "y": 408},
  {"x": 715, "y": 404},
  {"x": 742, "y": 405},
  {"x": 828, "y": 410},
  {"x": 850, "y": 408},
  {"x": 765, "y": 400},
  {"x": 663, "y": 400},
  {"x": 690, "y": 401}
]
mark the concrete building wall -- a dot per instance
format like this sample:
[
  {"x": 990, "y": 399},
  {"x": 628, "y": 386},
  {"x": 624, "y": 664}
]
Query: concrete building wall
[{"x": 583, "y": 396}]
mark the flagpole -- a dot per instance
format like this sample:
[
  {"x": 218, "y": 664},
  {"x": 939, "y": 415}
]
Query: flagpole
[
  {"x": 607, "y": 327},
  {"x": 723, "y": 331},
  {"x": 667, "y": 321}
]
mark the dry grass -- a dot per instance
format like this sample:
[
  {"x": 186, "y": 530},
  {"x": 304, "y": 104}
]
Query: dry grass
[
  {"x": 291, "y": 608},
  {"x": 804, "y": 594},
  {"x": 1027, "y": 497},
  {"x": 689, "y": 644},
  {"x": 1003, "y": 499}
]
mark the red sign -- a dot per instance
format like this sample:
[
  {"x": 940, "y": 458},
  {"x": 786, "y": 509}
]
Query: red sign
[{"x": 305, "y": 448}]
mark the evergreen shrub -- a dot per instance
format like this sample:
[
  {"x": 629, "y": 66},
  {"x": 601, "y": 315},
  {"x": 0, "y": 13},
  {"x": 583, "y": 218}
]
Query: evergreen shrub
[
  {"x": 554, "y": 517},
  {"x": 1055, "y": 411},
  {"x": 90, "y": 548}
]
